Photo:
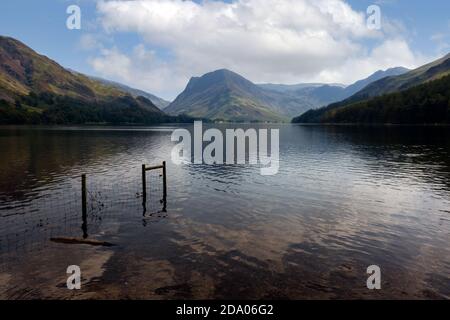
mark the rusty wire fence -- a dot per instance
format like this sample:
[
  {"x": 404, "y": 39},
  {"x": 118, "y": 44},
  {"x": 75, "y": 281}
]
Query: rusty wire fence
[{"x": 79, "y": 207}]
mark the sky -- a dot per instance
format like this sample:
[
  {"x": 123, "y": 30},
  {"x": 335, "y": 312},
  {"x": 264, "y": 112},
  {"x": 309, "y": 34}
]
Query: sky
[{"x": 158, "y": 45}]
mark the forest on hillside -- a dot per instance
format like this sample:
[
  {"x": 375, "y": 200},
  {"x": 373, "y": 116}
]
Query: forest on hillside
[
  {"x": 46, "y": 108},
  {"x": 428, "y": 103}
]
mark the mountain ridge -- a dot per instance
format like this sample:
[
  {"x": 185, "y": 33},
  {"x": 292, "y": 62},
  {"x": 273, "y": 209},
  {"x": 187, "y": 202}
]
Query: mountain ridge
[
  {"x": 157, "y": 101},
  {"x": 36, "y": 89},
  {"x": 223, "y": 95},
  {"x": 398, "y": 93},
  {"x": 326, "y": 94},
  {"x": 420, "y": 75}
]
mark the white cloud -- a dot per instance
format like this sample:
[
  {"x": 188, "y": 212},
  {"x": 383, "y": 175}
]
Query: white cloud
[
  {"x": 285, "y": 41},
  {"x": 391, "y": 53},
  {"x": 140, "y": 69},
  {"x": 113, "y": 63},
  {"x": 89, "y": 41}
]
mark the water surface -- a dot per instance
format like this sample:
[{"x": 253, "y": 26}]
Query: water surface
[{"x": 345, "y": 198}]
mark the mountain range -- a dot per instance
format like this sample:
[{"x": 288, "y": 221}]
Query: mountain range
[
  {"x": 324, "y": 94},
  {"x": 36, "y": 89},
  {"x": 224, "y": 95},
  {"x": 157, "y": 101},
  {"x": 418, "y": 96}
]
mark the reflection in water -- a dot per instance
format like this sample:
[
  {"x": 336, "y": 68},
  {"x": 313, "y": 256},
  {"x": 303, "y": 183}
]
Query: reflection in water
[{"x": 345, "y": 198}]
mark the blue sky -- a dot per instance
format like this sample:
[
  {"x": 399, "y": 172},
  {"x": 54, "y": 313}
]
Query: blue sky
[{"x": 159, "y": 52}]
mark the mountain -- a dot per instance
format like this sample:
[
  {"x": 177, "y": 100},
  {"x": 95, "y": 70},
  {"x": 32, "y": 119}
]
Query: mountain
[
  {"x": 157, "y": 101},
  {"x": 432, "y": 71},
  {"x": 223, "y": 95},
  {"x": 359, "y": 85},
  {"x": 283, "y": 88},
  {"x": 318, "y": 95},
  {"x": 428, "y": 103},
  {"x": 419, "y": 96},
  {"x": 35, "y": 89},
  {"x": 323, "y": 95}
]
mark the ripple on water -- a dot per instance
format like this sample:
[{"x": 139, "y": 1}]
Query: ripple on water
[{"x": 344, "y": 198}]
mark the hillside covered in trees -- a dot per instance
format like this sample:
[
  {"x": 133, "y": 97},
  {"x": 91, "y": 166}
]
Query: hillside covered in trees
[
  {"x": 428, "y": 103},
  {"x": 52, "y": 109}
]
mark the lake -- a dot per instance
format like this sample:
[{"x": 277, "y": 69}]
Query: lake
[{"x": 345, "y": 198}]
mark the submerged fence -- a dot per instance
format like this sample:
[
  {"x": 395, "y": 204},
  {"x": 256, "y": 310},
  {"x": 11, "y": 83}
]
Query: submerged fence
[
  {"x": 78, "y": 207},
  {"x": 146, "y": 169}
]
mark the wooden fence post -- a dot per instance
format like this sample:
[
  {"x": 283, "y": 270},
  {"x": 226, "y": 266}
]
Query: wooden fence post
[
  {"x": 84, "y": 205},
  {"x": 164, "y": 185},
  {"x": 144, "y": 185}
]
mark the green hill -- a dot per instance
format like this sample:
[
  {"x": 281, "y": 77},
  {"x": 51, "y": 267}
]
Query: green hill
[
  {"x": 227, "y": 96},
  {"x": 429, "y": 72},
  {"x": 409, "y": 98},
  {"x": 428, "y": 103},
  {"x": 224, "y": 95},
  {"x": 35, "y": 89}
]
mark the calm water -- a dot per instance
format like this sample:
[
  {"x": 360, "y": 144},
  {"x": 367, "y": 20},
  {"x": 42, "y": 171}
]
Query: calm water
[{"x": 345, "y": 198}]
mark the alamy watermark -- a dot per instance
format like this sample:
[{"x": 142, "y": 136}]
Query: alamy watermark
[
  {"x": 374, "y": 280},
  {"x": 73, "y": 22},
  {"x": 237, "y": 147},
  {"x": 373, "y": 21},
  {"x": 74, "y": 280}
]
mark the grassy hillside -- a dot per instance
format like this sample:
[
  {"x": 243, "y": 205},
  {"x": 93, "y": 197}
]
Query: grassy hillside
[
  {"x": 35, "y": 89},
  {"x": 224, "y": 96}
]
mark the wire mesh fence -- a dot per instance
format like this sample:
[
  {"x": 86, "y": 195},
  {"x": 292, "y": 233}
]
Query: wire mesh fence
[{"x": 59, "y": 210}]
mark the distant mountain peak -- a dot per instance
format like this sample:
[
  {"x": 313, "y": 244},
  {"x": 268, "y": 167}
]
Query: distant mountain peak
[
  {"x": 407, "y": 85},
  {"x": 223, "y": 70},
  {"x": 398, "y": 69},
  {"x": 224, "y": 95},
  {"x": 221, "y": 74}
]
